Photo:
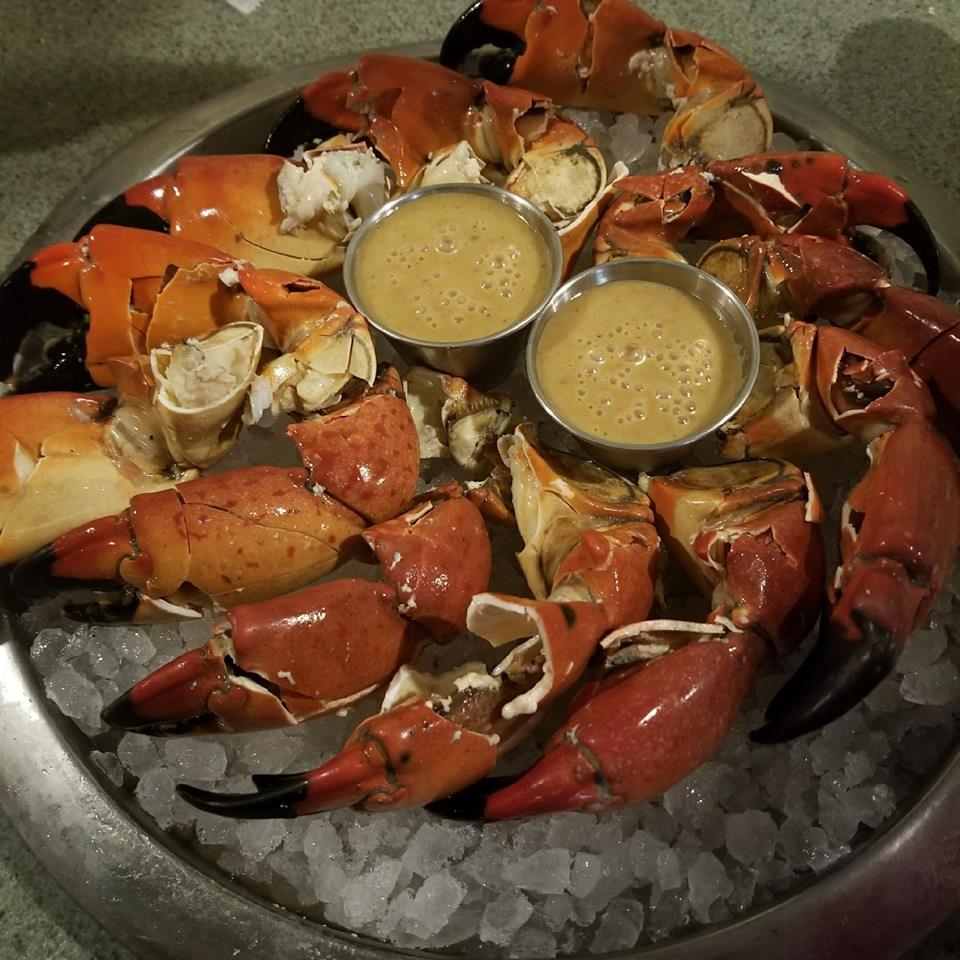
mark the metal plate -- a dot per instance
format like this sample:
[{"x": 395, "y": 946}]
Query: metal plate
[{"x": 161, "y": 900}]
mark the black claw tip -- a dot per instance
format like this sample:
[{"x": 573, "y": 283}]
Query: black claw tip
[
  {"x": 122, "y": 715},
  {"x": 469, "y": 33},
  {"x": 296, "y": 127},
  {"x": 276, "y": 797},
  {"x": 122, "y": 214},
  {"x": 917, "y": 233},
  {"x": 835, "y": 677},
  {"x": 120, "y": 607},
  {"x": 468, "y": 805}
]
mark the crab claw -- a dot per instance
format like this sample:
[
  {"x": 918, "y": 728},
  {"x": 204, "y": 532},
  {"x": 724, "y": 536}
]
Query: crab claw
[
  {"x": 276, "y": 663},
  {"x": 639, "y": 731},
  {"x": 404, "y": 757},
  {"x": 899, "y": 538}
]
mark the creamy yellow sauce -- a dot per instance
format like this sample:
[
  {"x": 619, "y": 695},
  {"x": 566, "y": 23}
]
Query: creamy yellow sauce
[
  {"x": 638, "y": 362},
  {"x": 451, "y": 267}
]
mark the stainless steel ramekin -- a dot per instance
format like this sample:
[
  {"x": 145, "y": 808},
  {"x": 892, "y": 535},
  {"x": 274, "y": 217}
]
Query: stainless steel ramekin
[
  {"x": 672, "y": 273},
  {"x": 460, "y": 357}
]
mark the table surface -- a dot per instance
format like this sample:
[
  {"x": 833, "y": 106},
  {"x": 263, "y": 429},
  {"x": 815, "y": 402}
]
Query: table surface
[{"x": 80, "y": 78}]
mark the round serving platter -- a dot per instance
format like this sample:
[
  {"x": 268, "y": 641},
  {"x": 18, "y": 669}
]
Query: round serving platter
[{"x": 161, "y": 899}]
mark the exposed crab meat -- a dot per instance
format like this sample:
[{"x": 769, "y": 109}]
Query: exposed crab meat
[
  {"x": 201, "y": 388},
  {"x": 455, "y": 419},
  {"x": 333, "y": 189}
]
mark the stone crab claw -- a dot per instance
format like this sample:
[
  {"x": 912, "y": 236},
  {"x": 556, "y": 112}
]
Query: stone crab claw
[
  {"x": 433, "y": 125},
  {"x": 67, "y": 457},
  {"x": 805, "y": 193},
  {"x": 143, "y": 290},
  {"x": 290, "y": 214},
  {"x": 748, "y": 535},
  {"x": 612, "y": 55},
  {"x": 898, "y": 540},
  {"x": 809, "y": 276},
  {"x": 750, "y": 540},
  {"x": 286, "y": 660},
  {"x": 434, "y": 736},
  {"x": 178, "y": 549},
  {"x": 636, "y": 733}
]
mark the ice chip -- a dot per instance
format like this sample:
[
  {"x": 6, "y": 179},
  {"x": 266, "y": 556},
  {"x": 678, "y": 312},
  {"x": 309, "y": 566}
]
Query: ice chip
[
  {"x": 938, "y": 684},
  {"x": 587, "y": 868},
  {"x": 708, "y": 882},
  {"x": 434, "y": 903},
  {"x": 134, "y": 646},
  {"x": 365, "y": 897},
  {"x": 547, "y": 871},
  {"x": 190, "y": 758},
  {"x": 751, "y": 836},
  {"x": 503, "y": 917},
  {"x": 322, "y": 840},
  {"x": 922, "y": 649},
  {"x": 434, "y": 845},
  {"x": 155, "y": 793},
  {"x": 258, "y": 837}
]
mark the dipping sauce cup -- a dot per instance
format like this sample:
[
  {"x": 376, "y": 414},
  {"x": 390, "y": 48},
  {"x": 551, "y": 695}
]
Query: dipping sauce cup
[
  {"x": 667, "y": 366},
  {"x": 489, "y": 262}
]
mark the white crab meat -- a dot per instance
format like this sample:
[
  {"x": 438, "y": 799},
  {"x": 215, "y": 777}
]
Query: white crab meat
[
  {"x": 202, "y": 384},
  {"x": 458, "y": 164},
  {"x": 333, "y": 190}
]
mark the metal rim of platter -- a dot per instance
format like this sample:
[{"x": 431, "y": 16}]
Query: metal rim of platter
[{"x": 161, "y": 899}]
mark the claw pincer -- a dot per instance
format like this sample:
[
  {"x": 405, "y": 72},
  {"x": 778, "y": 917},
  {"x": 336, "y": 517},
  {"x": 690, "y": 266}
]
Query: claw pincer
[
  {"x": 900, "y": 529},
  {"x": 285, "y": 660}
]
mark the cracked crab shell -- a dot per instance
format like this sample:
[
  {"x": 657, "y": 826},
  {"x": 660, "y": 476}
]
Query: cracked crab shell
[
  {"x": 56, "y": 471},
  {"x": 201, "y": 388}
]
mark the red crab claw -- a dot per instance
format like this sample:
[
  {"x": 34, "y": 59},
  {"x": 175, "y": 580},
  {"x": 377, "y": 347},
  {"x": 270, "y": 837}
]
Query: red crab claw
[
  {"x": 277, "y": 663},
  {"x": 253, "y": 533},
  {"x": 283, "y": 661},
  {"x": 612, "y": 55},
  {"x": 408, "y": 755},
  {"x": 801, "y": 193},
  {"x": 748, "y": 535},
  {"x": 640, "y": 731},
  {"x": 820, "y": 194},
  {"x": 811, "y": 276},
  {"x": 233, "y": 203},
  {"x": 651, "y": 214},
  {"x": 899, "y": 538}
]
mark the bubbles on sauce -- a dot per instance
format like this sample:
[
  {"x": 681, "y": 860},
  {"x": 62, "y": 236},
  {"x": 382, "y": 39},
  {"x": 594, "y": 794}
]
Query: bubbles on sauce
[
  {"x": 641, "y": 378},
  {"x": 475, "y": 265}
]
